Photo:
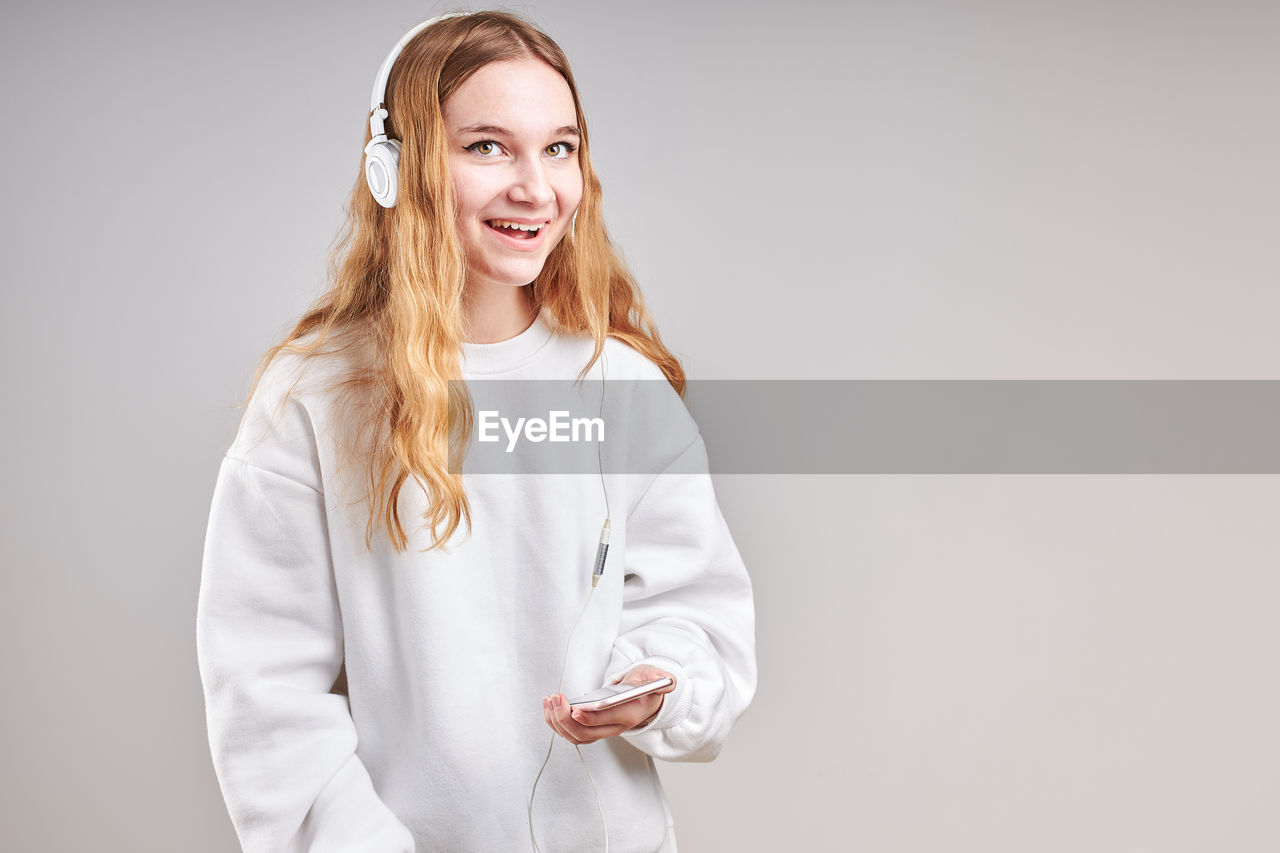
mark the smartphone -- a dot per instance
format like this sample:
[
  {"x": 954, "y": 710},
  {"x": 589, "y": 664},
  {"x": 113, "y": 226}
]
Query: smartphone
[{"x": 615, "y": 694}]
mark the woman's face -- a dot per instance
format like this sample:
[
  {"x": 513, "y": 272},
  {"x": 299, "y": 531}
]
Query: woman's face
[{"x": 514, "y": 161}]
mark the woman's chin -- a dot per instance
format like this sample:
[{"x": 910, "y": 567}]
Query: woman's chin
[{"x": 513, "y": 275}]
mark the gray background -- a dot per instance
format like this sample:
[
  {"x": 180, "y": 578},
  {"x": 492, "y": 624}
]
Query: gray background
[{"x": 1081, "y": 190}]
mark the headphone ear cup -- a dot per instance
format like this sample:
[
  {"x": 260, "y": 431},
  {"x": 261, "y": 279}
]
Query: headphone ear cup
[{"x": 381, "y": 169}]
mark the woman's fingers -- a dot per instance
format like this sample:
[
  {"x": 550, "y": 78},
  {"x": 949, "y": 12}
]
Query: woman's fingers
[
  {"x": 553, "y": 719},
  {"x": 556, "y": 715},
  {"x": 559, "y": 717},
  {"x": 582, "y": 726}
]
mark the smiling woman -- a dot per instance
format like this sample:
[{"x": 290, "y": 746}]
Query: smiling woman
[
  {"x": 341, "y": 536},
  {"x": 517, "y": 178}
]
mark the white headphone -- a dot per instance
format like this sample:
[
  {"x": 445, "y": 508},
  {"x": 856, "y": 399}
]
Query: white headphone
[{"x": 382, "y": 155}]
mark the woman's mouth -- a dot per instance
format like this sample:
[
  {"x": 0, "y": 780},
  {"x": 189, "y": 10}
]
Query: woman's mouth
[{"x": 515, "y": 230}]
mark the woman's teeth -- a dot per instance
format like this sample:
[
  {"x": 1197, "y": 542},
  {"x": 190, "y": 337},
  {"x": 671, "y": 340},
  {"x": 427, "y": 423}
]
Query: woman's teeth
[{"x": 519, "y": 231}]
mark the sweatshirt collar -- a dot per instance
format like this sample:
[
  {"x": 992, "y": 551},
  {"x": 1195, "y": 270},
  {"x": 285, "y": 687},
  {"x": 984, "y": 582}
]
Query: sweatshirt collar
[{"x": 511, "y": 353}]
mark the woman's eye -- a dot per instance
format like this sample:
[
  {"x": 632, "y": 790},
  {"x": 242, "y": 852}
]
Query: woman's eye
[
  {"x": 485, "y": 147},
  {"x": 560, "y": 150}
]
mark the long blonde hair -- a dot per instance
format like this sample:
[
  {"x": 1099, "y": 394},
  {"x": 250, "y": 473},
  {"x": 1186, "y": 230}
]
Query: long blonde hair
[{"x": 397, "y": 276}]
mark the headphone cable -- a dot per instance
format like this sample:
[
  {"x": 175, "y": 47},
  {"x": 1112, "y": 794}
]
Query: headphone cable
[{"x": 601, "y": 551}]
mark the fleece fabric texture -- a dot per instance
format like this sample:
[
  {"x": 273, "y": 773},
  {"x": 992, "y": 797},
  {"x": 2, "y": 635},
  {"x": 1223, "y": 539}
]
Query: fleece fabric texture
[{"x": 449, "y": 652}]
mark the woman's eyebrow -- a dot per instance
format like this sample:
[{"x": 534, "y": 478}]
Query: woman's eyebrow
[{"x": 568, "y": 129}]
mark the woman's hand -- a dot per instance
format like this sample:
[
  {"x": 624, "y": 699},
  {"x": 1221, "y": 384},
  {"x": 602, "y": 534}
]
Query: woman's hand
[{"x": 579, "y": 726}]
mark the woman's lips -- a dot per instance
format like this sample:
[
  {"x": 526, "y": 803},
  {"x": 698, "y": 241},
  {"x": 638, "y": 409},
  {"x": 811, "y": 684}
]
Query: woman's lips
[{"x": 516, "y": 239}]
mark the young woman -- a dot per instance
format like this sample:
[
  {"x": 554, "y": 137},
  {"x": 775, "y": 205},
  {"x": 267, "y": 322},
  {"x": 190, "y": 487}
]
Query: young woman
[{"x": 340, "y": 532}]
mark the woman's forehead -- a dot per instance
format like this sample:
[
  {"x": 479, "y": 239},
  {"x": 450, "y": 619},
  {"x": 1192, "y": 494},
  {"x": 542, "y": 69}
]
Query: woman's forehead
[{"x": 521, "y": 96}]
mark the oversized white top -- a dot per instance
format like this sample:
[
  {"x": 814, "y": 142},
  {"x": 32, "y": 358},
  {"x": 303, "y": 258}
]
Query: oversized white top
[{"x": 449, "y": 653}]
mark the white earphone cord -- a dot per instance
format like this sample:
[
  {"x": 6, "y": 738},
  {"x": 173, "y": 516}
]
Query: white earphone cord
[{"x": 599, "y": 565}]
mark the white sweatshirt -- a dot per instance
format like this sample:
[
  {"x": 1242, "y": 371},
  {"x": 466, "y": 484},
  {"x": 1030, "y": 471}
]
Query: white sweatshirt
[{"x": 449, "y": 653}]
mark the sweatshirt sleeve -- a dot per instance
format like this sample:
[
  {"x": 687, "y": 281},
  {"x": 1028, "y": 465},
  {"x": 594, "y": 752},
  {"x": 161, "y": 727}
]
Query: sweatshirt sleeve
[
  {"x": 269, "y": 642},
  {"x": 687, "y": 609}
]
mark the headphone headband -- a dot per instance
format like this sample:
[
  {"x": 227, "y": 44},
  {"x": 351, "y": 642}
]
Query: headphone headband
[
  {"x": 382, "y": 155},
  {"x": 377, "y": 99}
]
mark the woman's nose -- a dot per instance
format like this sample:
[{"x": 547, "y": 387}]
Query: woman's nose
[{"x": 531, "y": 185}]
